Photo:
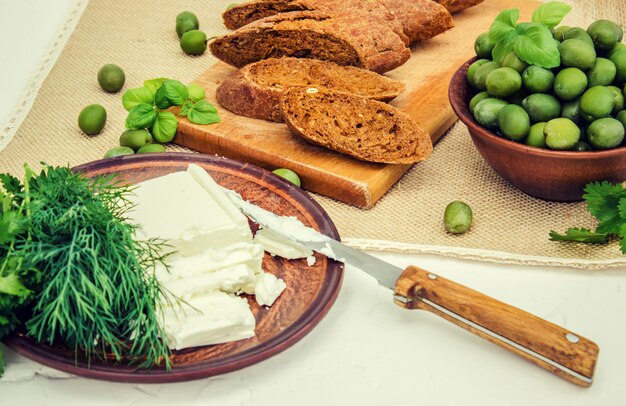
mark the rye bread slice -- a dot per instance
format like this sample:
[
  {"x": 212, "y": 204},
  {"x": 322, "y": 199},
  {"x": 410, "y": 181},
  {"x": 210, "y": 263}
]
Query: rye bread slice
[
  {"x": 373, "y": 10},
  {"x": 255, "y": 90},
  {"x": 420, "y": 19},
  {"x": 312, "y": 34},
  {"x": 365, "y": 129}
]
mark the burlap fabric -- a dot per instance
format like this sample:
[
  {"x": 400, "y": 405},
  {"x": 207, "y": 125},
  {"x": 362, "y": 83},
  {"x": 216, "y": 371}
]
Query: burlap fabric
[{"x": 139, "y": 36}]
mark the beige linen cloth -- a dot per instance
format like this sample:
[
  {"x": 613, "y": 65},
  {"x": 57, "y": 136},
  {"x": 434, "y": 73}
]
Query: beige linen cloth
[{"x": 509, "y": 226}]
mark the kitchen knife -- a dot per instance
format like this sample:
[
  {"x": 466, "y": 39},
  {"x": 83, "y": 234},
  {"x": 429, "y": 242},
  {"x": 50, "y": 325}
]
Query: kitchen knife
[{"x": 560, "y": 351}]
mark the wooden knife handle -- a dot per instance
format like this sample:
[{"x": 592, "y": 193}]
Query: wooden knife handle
[{"x": 566, "y": 354}]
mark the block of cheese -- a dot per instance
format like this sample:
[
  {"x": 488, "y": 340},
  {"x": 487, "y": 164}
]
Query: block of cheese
[
  {"x": 213, "y": 318},
  {"x": 189, "y": 216},
  {"x": 276, "y": 244}
]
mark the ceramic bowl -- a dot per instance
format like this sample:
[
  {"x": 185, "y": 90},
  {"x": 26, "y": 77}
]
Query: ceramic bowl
[{"x": 543, "y": 173}]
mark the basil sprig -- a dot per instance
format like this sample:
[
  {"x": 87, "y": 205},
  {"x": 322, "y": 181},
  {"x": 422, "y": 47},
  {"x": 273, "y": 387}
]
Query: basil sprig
[
  {"x": 146, "y": 105},
  {"x": 532, "y": 42}
]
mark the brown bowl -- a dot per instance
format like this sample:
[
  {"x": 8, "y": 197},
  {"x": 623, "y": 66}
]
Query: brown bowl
[{"x": 543, "y": 173}]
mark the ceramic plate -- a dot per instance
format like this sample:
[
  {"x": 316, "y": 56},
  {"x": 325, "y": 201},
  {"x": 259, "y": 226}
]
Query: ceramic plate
[{"x": 310, "y": 292}]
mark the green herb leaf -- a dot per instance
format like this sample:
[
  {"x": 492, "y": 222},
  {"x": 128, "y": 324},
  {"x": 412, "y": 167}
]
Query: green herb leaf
[
  {"x": 141, "y": 116},
  {"x": 504, "y": 47},
  {"x": 203, "y": 113},
  {"x": 504, "y": 23},
  {"x": 536, "y": 46},
  {"x": 195, "y": 91},
  {"x": 12, "y": 285},
  {"x": 185, "y": 108},
  {"x": 175, "y": 92},
  {"x": 164, "y": 127},
  {"x": 135, "y": 96},
  {"x": 622, "y": 234},
  {"x": 579, "y": 235},
  {"x": 603, "y": 201},
  {"x": 160, "y": 100},
  {"x": 154, "y": 84},
  {"x": 2, "y": 361},
  {"x": 551, "y": 13}
]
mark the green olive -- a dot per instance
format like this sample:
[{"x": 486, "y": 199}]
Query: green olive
[
  {"x": 111, "y": 78},
  {"x": 195, "y": 92},
  {"x": 619, "y": 59},
  {"x": 92, "y": 119},
  {"x": 514, "y": 122},
  {"x": 480, "y": 76},
  {"x": 561, "y": 133},
  {"x": 503, "y": 82},
  {"x": 541, "y": 107},
  {"x": 289, "y": 175},
  {"x": 186, "y": 21},
  {"x": 619, "y": 99},
  {"x": 614, "y": 49},
  {"x": 577, "y": 54},
  {"x": 621, "y": 117},
  {"x": 597, "y": 102},
  {"x": 560, "y": 31},
  {"x": 135, "y": 139},
  {"x": 477, "y": 99},
  {"x": 536, "y": 136},
  {"x": 118, "y": 151},
  {"x": 579, "y": 34},
  {"x": 582, "y": 146},
  {"x": 570, "y": 83},
  {"x": 605, "y": 34},
  {"x": 486, "y": 112},
  {"x": 483, "y": 46},
  {"x": 511, "y": 60},
  {"x": 538, "y": 80},
  {"x": 571, "y": 110},
  {"x": 457, "y": 217},
  {"x": 150, "y": 148},
  {"x": 193, "y": 42},
  {"x": 606, "y": 133},
  {"x": 471, "y": 71},
  {"x": 602, "y": 73}
]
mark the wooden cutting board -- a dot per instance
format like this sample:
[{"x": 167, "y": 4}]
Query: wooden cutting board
[{"x": 271, "y": 145}]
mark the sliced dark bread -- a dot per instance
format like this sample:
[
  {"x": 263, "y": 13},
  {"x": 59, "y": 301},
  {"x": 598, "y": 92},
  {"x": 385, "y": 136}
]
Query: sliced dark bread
[
  {"x": 454, "y": 6},
  {"x": 420, "y": 19},
  {"x": 311, "y": 34},
  {"x": 365, "y": 129},
  {"x": 373, "y": 10},
  {"x": 255, "y": 90}
]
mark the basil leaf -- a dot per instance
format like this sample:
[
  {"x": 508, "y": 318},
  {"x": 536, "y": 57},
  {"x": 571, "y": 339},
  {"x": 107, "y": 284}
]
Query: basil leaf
[
  {"x": 203, "y": 113},
  {"x": 504, "y": 23},
  {"x": 141, "y": 116},
  {"x": 135, "y": 96},
  {"x": 504, "y": 47},
  {"x": 154, "y": 84},
  {"x": 160, "y": 100},
  {"x": 536, "y": 46},
  {"x": 175, "y": 92},
  {"x": 580, "y": 235},
  {"x": 164, "y": 127},
  {"x": 185, "y": 109},
  {"x": 551, "y": 13},
  {"x": 196, "y": 92}
]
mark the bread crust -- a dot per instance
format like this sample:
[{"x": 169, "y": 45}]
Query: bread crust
[
  {"x": 454, "y": 6},
  {"x": 365, "y": 129},
  {"x": 420, "y": 19},
  {"x": 245, "y": 94},
  {"x": 317, "y": 35}
]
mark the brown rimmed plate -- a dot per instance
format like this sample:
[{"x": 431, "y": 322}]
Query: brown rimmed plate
[{"x": 310, "y": 292}]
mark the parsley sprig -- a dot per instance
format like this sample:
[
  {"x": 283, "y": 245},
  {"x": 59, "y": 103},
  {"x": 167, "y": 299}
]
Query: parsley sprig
[{"x": 607, "y": 203}]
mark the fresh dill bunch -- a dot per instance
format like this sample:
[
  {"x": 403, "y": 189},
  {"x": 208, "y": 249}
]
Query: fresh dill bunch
[{"x": 99, "y": 293}]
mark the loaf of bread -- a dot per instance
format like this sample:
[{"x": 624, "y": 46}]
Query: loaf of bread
[
  {"x": 343, "y": 39},
  {"x": 454, "y": 6},
  {"x": 255, "y": 90},
  {"x": 420, "y": 19},
  {"x": 412, "y": 20},
  {"x": 372, "y": 10},
  {"x": 365, "y": 129}
]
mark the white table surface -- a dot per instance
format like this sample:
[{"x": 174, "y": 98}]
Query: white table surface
[{"x": 366, "y": 350}]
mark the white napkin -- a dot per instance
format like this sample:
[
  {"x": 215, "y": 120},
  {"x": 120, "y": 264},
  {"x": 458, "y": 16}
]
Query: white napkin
[{"x": 19, "y": 369}]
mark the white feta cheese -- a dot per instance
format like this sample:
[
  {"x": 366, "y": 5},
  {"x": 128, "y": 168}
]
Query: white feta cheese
[
  {"x": 276, "y": 244},
  {"x": 268, "y": 288}
]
